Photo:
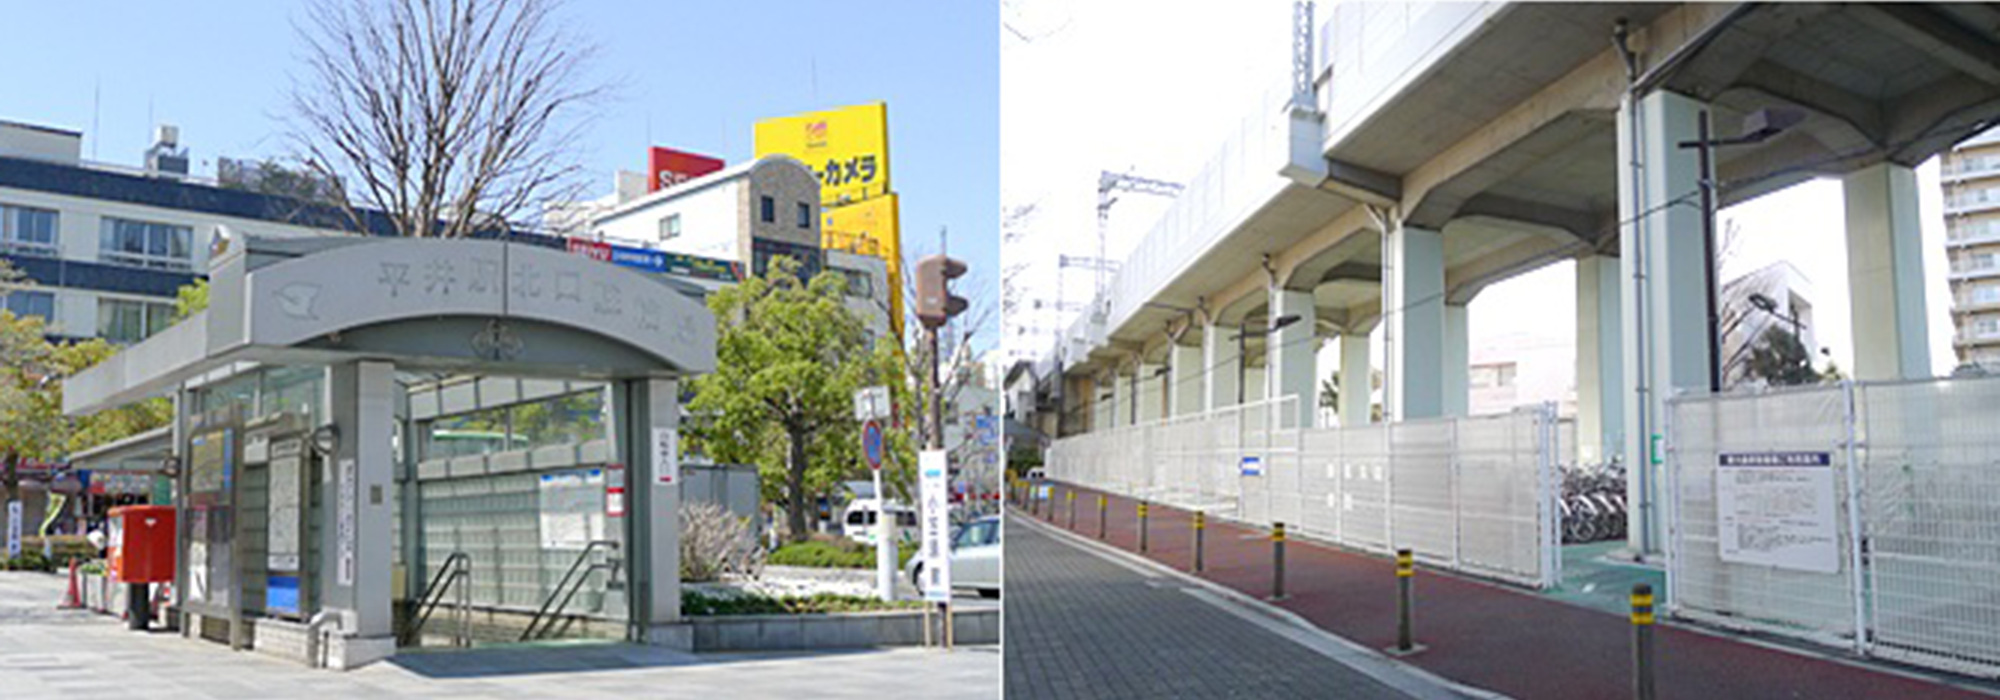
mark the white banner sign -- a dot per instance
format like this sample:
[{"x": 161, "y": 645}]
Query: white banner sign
[
  {"x": 344, "y": 540},
  {"x": 666, "y": 456},
  {"x": 871, "y": 403},
  {"x": 1777, "y": 509},
  {"x": 13, "y": 529},
  {"x": 933, "y": 488}
]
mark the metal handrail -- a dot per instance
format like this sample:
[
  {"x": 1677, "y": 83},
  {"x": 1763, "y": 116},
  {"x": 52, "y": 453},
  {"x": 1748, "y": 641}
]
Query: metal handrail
[
  {"x": 456, "y": 568},
  {"x": 552, "y": 608}
]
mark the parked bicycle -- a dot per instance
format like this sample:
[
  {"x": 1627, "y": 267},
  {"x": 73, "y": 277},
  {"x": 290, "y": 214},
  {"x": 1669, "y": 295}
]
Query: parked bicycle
[{"x": 1593, "y": 503}]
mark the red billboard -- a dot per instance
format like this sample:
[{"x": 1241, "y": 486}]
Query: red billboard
[{"x": 667, "y": 167}]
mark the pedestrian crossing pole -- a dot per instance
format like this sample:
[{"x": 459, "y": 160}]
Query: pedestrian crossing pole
[
  {"x": 1642, "y": 642},
  {"x": 1101, "y": 504},
  {"x": 1277, "y": 561},
  {"x": 1200, "y": 524}
]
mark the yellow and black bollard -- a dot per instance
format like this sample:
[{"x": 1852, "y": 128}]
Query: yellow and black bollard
[
  {"x": 1642, "y": 642},
  {"x": 1406, "y": 570},
  {"x": 1200, "y": 523},
  {"x": 1101, "y": 504},
  {"x": 1071, "y": 499},
  {"x": 1142, "y": 527},
  {"x": 1277, "y": 561},
  {"x": 1051, "y": 513}
]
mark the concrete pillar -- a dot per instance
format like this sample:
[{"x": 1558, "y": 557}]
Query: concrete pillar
[
  {"x": 1289, "y": 357},
  {"x": 1457, "y": 369},
  {"x": 356, "y": 548},
  {"x": 1413, "y": 318},
  {"x": 1254, "y": 383},
  {"x": 1885, "y": 274},
  {"x": 1186, "y": 380},
  {"x": 1220, "y": 355},
  {"x": 1152, "y": 394},
  {"x": 1600, "y": 369},
  {"x": 1665, "y": 321},
  {"x": 1356, "y": 380},
  {"x": 1107, "y": 402},
  {"x": 646, "y": 433},
  {"x": 1121, "y": 397},
  {"x": 1600, "y": 373}
]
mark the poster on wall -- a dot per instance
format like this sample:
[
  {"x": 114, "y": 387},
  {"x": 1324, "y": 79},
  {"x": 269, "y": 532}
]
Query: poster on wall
[
  {"x": 345, "y": 530},
  {"x": 1777, "y": 509},
  {"x": 666, "y": 456},
  {"x": 571, "y": 508}
]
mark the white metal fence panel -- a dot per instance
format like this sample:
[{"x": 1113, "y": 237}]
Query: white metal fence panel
[
  {"x": 1424, "y": 512},
  {"x": 1501, "y": 521},
  {"x": 1469, "y": 493},
  {"x": 1931, "y": 471},
  {"x": 1364, "y": 482},
  {"x": 1786, "y": 601}
]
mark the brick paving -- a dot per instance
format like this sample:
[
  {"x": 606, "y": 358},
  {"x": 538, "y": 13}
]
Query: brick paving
[
  {"x": 1080, "y": 626},
  {"x": 1492, "y": 636}
]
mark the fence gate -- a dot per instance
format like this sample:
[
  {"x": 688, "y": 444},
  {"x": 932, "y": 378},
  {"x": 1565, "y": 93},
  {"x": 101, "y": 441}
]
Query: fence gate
[
  {"x": 1860, "y": 515},
  {"x": 1475, "y": 494}
]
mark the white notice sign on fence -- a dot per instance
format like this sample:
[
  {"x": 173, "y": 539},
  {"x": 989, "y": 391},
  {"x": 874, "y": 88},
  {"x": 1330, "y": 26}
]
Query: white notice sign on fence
[{"x": 1777, "y": 509}]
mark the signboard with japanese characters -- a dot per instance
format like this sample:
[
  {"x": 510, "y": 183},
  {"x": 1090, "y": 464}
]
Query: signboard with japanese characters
[
  {"x": 1777, "y": 509},
  {"x": 847, "y": 148},
  {"x": 933, "y": 490}
]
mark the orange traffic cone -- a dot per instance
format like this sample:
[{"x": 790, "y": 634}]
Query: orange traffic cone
[{"x": 74, "y": 599}]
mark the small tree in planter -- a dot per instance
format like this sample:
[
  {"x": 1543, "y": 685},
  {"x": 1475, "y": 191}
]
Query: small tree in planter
[{"x": 716, "y": 542}]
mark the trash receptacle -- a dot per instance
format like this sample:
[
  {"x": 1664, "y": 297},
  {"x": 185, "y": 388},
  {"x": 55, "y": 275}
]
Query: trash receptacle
[{"x": 141, "y": 553}]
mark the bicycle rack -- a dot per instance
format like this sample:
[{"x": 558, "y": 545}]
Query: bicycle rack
[
  {"x": 566, "y": 588},
  {"x": 455, "y": 573}
]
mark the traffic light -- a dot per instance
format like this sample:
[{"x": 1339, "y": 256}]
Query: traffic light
[{"x": 935, "y": 303}]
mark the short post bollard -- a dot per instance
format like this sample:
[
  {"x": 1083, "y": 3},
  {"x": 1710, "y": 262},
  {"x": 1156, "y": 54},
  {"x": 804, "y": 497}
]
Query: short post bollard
[
  {"x": 1642, "y": 642},
  {"x": 1142, "y": 527},
  {"x": 1100, "y": 516},
  {"x": 1071, "y": 498},
  {"x": 1277, "y": 561},
  {"x": 1406, "y": 572},
  {"x": 1051, "y": 514},
  {"x": 1200, "y": 523}
]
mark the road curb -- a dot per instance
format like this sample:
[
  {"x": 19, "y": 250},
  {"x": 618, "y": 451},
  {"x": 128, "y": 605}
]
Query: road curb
[{"x": 1377, "y": 662}]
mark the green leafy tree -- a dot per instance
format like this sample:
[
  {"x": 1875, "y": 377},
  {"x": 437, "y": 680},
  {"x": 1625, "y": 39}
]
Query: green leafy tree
[
  {"x": 789, "y": 357},
  {"x": 1781, "y": 360},
  {"x": 190, "y": 299}
]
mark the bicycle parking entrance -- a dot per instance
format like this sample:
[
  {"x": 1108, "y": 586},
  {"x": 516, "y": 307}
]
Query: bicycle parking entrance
[{"x": 384, "y": 442}]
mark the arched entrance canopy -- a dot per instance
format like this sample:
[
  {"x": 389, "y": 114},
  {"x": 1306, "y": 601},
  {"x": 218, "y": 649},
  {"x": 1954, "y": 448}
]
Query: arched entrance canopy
[{"x": 452, "y": 305}]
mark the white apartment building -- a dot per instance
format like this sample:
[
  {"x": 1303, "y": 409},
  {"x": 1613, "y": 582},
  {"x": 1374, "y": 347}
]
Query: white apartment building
[
  {"x": 107, "y": 246},
  {"x": 1970, "y": 176}
]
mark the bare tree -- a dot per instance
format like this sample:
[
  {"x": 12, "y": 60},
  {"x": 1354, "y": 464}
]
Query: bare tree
[{"x": 449, "y": 116}]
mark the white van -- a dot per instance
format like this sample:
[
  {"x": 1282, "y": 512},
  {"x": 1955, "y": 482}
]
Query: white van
[{"x": 858, "y": 523}]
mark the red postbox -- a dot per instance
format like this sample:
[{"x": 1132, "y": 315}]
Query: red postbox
[{"x": 142, "y": 544}]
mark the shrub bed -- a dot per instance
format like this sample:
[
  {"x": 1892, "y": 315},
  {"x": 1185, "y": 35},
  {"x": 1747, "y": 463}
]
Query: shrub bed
[
  {"x": 697, "y": 603},
  {"x": 835, "y": 554}
]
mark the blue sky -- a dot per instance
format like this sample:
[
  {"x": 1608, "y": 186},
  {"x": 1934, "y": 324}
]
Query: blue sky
[{"x": 692, "y": 75}]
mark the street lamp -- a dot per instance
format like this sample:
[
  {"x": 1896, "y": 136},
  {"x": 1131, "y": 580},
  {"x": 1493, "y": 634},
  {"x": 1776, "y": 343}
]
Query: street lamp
[
  {"x": 1758, "y": 126},
  {"x": 1243, "y": 363}
]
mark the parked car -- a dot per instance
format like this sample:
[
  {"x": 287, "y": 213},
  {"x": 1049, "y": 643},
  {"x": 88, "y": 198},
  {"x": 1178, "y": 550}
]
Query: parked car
[
  {"x": 975, "y": 558},
  {"x": 858, "y": 522}
]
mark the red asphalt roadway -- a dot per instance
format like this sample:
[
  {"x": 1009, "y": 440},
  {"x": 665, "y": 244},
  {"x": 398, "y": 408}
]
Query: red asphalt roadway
[{"x": 1477, "y": 633}]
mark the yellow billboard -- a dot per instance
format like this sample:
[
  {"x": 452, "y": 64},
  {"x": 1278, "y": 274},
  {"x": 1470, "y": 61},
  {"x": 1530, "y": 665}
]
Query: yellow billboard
[
  {"x": 847, "y": 148},
  {"x": 870, "y": 227}
]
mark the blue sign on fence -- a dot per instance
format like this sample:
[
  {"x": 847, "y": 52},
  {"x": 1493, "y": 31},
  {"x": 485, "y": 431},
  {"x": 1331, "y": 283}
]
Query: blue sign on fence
[{"x": 1253, "y": 466}]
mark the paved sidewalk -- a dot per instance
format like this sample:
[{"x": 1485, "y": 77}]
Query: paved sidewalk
[
  {"x": 1486, "y": 635},
  {"x": 45, "y": 653},
  {"x": 1081, "y": 626}
]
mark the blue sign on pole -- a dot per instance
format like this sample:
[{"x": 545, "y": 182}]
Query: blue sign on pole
[{"x": 871, "y": 444}]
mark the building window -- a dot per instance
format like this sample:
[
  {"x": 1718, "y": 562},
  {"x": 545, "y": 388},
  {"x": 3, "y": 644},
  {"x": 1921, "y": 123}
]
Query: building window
[
  {"x": 805, "y": 215},
  {"x": 670, "y": 227},
  {"x": 121, "y": 321},
  {"x": 145, "y": 244},
  {"x": 1986, "y": 327},
  {"x": 859, "y": 284},
  {"x": 25, "y": 303},
  {"x": 769, "y": 212},
  {"x": 27, "y": 231},
  {"x": 1986, "y": 294}
]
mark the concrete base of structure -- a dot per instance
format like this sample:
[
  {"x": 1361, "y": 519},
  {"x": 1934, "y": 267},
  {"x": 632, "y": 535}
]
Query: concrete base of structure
[{"x": 839, "y": 631}]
